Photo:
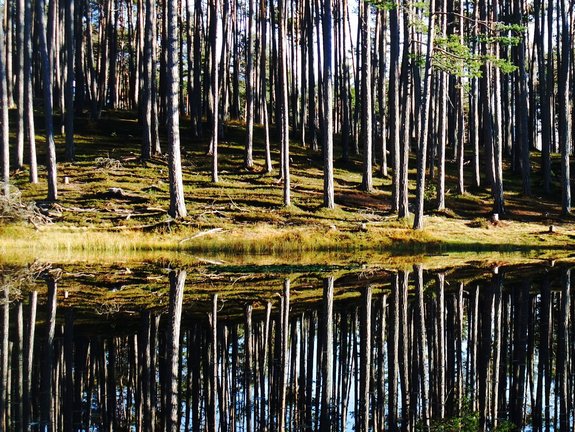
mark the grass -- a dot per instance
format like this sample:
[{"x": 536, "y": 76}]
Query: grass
[{"x": 243, "y": 213}]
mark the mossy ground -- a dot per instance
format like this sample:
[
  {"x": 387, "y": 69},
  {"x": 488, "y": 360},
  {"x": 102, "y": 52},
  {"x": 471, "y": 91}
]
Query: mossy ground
[{"x": 244, "y": 212}]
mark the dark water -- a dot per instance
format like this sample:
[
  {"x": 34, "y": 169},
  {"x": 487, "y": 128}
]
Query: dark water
[{"x": 462, "y": 349}]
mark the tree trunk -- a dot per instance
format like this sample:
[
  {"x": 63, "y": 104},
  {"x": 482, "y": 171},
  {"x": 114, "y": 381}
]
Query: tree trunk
[
  {"x": 177, "y": 203},
  {"x": 263, "y": 88},
  {"x": 148, "y": 77},
  {"x": 214, "y": 81},
  {"x": 4, "y": 130},
  {"x": 47, "y": 87},
  {"x": 424, "y": 125},
  {"x": 394, "y": 114},
  {"x": 565, "y": 114},
  {"x": 29, "y": 93},
  {"x": 366, "y": 92},
  {"x": 19, "y": 57},
  {"x": 283, "y": 102},
  {"x": 70, "y": 80},
  {"x": 328, "y": 187},
  {"x": 250, "y": 84}
]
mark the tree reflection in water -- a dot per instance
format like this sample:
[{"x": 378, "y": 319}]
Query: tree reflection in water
[{"x": 426, "y": 353}]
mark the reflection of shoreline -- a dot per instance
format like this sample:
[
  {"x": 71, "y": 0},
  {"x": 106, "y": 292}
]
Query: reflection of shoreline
[
  {"x": 100, "y": 293},
  {"x": 481, "y": 347}
]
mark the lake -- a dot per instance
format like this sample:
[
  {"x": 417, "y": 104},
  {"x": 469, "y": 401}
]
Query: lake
[{"x": 270, "y": 344}]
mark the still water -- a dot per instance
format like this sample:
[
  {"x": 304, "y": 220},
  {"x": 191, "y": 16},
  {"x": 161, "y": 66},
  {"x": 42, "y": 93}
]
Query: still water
[{"x": 276, "y": 348}]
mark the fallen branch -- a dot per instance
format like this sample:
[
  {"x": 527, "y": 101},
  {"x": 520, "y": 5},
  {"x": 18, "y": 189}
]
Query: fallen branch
[{"x": 202, "y": 234}]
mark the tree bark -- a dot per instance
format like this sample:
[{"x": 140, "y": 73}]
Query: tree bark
[
  {"x": 177, "y": 202},
  {"x": 283, "y": 102},
  {"x": 70, "y": 80},
  {"x": 250, "y": 84},
  {"x": 47, "y": 87},
  {"x": 424, "y": 124},
  {"x": 328, "y": 130},
  {"x": 4, "y": 130},
  {"x": 366, "y": 92},
  {"x": 214, "y": 87}
]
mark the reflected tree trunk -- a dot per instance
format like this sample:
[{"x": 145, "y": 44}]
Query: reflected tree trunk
[
  {"x": 422, "y": 336},
  {"x": 213, "y": 366},
  {"x": 365, "y": 359},
  {"x": 177, "y": 283},
  {"x": 564, "y": 389},
  {"x": 248, "y": 367},
  {"x": 29, "y": 341},
  {"x": 284, "y": 355},
  {"x": 327, "y": 366},
  {"x": 47, "y": 420}
]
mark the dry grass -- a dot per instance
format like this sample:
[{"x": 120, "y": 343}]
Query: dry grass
[{"x": 244, "y": 213}]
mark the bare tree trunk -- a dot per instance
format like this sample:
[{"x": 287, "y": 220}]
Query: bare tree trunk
[
  {"x": 148, "y": 77},
  {"x": 177, "y": 202},
  {"x": 28, "y": 92},
  {"x": 214, "y": 82},
  {"x": 4, "y": 130},
  {"x": 565, "y": 114},
  {"x": 263, "y": 88},
  {"x": 8, "y": 58},
  {"x": 328, "y": 187},
  {"x": 366, "y": 104},
  {"x": 424, "y": 124},
  {"x": 250, "y": 84},
  {"x": 19, "y": 88},
  {"x": 283, "y": 102},
  {"x": 70, "y": 80},
  {"x": 47, "y": 86}
]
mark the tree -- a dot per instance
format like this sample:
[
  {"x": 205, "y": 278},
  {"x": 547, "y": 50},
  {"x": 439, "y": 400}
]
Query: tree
[
  {"x": 565, "y": 112},
  {"x": 394, "y": 109},
  {"x": 248, "y": 157},
  {"x": 4, "y": 131},
  {"x": 424, "y": 124},
  {"x": 177, "y": 202},
  {"x": 283, "y": 102},
  {"x": 19, "y": 54},
  {"x": 29, "y": 93},
  {"x": 328, "y": 187},
  {"x": 366, "y": 92},
  {"x": 214, "y": 87},
  {"x": 148, "y": 78},
  {"x": 47, "y": 88},
  {"x": 70, "y": 78}
]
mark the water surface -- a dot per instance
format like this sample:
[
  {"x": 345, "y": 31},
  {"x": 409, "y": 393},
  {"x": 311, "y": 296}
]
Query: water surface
[{"x": 299, "y": 346}]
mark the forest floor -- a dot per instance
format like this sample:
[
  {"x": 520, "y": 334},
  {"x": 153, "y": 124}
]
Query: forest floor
[{"x": 110, "y": 200}]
